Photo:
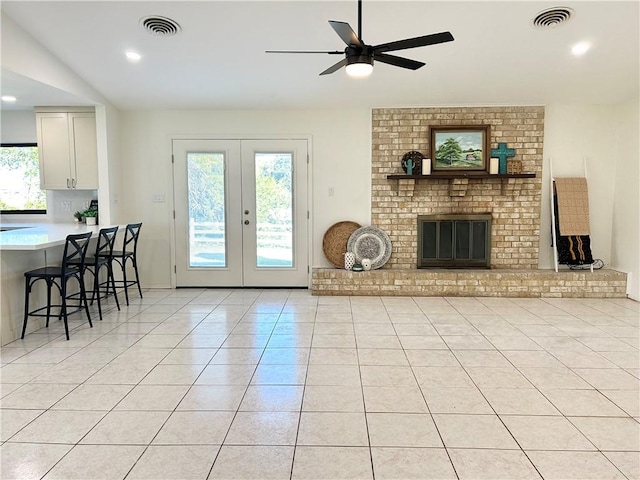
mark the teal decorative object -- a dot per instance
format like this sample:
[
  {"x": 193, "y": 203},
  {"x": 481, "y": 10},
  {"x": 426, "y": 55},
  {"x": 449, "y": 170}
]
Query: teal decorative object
[
  {"x": 410, "y": 166},
  {"x": 412, "y": 162},
  {"x": 503, "y": 153}
]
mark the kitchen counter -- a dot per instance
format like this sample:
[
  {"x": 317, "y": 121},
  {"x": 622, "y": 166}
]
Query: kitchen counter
[
  {"x": 27, "y": 236},
  {"x": 23, "y": 247}
]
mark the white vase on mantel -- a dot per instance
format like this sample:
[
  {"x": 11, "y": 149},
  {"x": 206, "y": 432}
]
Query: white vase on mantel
[{"x": 426, "y": 166}]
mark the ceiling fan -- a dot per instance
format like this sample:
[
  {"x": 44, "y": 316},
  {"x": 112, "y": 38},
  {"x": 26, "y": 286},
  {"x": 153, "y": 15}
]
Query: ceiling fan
[{"x": 359, "y": 56}]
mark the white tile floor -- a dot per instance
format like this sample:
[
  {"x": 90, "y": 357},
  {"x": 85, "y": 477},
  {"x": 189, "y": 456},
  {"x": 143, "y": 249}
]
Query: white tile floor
[{"x": 270, "y": 384}]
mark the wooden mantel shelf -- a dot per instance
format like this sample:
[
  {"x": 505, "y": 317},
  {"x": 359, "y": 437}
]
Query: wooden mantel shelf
[
  {"x": 458, "y": 182},
  {"x": 438, "y": 176}
]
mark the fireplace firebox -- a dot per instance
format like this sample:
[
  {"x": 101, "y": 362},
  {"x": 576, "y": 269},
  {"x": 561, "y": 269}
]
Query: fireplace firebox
[{"x": 454, "y": 241}]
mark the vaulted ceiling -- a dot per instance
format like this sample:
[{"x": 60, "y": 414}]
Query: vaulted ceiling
[{"x": 218, "y": 60}]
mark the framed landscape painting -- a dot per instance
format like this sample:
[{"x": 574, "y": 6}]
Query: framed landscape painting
[{"x": 460, "y": 148}]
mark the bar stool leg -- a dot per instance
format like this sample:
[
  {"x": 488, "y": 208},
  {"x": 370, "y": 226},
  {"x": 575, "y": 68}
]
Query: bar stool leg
[
  {"x": 124, "y": 278},
  {"x": 49, "y": 283},
  {"x": 135, "y": 269},
  {"x": 111, "y": 276},
  {"x": 63, "y": 312},
  {"x": 83, "y": 295},
  {"x": 27, "y": 290},
  {"x": 96, "y": 292}
]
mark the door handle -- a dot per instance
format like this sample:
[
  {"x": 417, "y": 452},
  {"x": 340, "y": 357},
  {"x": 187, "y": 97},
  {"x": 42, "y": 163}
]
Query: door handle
[
  {"x": 68, "y": 183},
  {"x": 246, "y": 212},
  {"x": 73, "y": 182},
  {"x": 246, "y": 222}
]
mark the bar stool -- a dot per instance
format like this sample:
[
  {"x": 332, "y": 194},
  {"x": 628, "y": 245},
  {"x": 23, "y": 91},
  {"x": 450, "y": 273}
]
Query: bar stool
[
  {"x": 128, "y": 253},
  {"x": 75, "y": 250},
  {"x": 100, "y": 259}
]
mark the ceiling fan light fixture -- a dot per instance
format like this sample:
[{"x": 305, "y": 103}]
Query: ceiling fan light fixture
[{"x": 360, "y": 66}]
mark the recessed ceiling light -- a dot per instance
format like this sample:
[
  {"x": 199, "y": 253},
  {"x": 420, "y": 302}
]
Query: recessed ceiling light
[
  {"x": 132, "y": 56},
  {"x": 8, "y": 98},
  {"x": 580, "y": 48}
]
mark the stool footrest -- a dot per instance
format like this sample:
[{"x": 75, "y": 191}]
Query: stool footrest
[{"x": 70, "y": 310}]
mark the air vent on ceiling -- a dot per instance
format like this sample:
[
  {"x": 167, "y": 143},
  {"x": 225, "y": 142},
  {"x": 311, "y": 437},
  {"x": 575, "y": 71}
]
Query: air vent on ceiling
[
  {"x": 552, "y": 18},
  {"x": 161, "y": 26}
]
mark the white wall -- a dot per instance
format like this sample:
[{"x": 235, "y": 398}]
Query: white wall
[
  {"x": 109, "y": 164},
  {"x": 625, "y": 230},
  {"x": 607, "y": 136},
  {"x": 341, "y": 159},
  {"x": 340, "y": 156},
  {"x": 18, "y": 126},
  {"x": 573, "y": 134}
]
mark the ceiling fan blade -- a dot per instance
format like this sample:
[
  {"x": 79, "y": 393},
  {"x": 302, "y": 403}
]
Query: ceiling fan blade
[
  {"x": 398, "y": 61},
  {"x": 335, "y": 67},
  {"x": 346, "y": 33},
  {"x": 305, "y": 51},
  {"x": 423, "y": 41}
]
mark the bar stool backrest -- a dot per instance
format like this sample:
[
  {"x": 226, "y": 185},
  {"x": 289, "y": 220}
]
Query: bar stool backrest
[
  {"x": 75, "y": 250},
  {"x": 131, "y": 236},
  {"x": 106, "y": 242}
]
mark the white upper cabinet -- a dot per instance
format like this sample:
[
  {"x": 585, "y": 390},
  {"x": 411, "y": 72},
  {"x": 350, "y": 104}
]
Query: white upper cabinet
[{"x": 68, "y": 150}]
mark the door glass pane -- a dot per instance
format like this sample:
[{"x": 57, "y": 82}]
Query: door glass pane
[
  {"x": 207, "y": 236},
  {"x": 274, "y": 209}
]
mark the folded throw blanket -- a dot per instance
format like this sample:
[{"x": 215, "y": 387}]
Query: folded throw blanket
[
  {"x": 572, "y": 249},
  {"x": 572, "y": 205}
]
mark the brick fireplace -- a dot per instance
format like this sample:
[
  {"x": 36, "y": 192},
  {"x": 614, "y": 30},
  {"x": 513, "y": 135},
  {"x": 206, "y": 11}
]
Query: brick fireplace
[{"x": 513, "y": 205}]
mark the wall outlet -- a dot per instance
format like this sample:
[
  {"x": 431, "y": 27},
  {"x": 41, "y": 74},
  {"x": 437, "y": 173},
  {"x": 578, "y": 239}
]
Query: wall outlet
[
  {"x": 158, "y": 198},
  {"x": 66, "y": 206},
  {"x": 331, "y": 191}
]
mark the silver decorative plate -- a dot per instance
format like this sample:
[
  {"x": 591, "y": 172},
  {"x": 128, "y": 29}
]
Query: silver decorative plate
[{"x": 371, "y": 243}]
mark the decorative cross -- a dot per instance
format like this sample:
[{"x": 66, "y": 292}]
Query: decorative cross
[{"x": 502, "y": 152}]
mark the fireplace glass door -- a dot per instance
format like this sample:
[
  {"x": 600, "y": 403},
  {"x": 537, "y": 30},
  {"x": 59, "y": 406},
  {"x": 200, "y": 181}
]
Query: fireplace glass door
[{"x": 454, "y": 241}]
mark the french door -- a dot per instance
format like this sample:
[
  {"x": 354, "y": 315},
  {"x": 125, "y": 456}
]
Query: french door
[{"x": 241, "y": 216}]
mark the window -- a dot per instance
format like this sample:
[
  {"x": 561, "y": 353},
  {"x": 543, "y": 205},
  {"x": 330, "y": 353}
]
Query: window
[{"x": 20, "y": 179}]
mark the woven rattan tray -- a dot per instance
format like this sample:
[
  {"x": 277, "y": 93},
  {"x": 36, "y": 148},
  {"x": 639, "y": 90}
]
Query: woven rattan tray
[{"x": 334, "y": 242}]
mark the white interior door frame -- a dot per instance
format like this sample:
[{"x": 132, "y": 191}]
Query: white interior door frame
[{"x": 309, "y": 185}]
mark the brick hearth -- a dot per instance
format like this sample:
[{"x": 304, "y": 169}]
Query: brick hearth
[{"x": 470, "y": 283}]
